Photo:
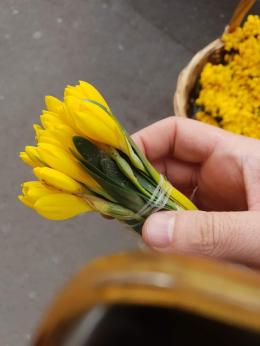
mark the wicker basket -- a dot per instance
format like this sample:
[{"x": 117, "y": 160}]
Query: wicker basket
[
  {"x": 187, "y": 80},
  {"x": 199, "y": 288}
]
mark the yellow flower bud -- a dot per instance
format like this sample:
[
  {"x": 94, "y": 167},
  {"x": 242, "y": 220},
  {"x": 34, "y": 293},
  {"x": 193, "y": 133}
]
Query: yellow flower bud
[
  {"x": 24, "y": 156},
  {"x": 46, "y": 137},
  {"x": 86, "y": 91},
  {"x": 51, "y": 203},
  {"x": 58, "y": 180},
  {"x": 53, "y": 104},
  {"x": 63, "y": 161},
  {"x": 38, "y": 129},
  {"x": 93, "y": 122},
  {"x": 60, "y": 135},
  {"x": 32, "y": 152},
  {"x": 50, "y": 119},
  {"x": 32, "y": 191},
  {"x": 61, "y": 206},
  {"x": 25, "y": 201}
]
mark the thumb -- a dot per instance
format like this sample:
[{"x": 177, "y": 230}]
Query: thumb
[{"x": 230, "y": 235}]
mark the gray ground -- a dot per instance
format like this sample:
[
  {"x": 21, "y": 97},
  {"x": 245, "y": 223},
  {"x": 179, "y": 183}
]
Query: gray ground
[{"x": 131, "y": 50}]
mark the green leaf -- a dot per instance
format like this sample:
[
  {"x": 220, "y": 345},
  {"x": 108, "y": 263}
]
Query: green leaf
[
  {"x": 127, "y": 170},
  {"x": 88, "y": 150},
  {"x": 100, "y": 160},
  {"x": 123, "y": 195},
  {"x": 104, "y": 170},
  {"x": 112, "y": 209},
  {"x": 109, "y": 167}
]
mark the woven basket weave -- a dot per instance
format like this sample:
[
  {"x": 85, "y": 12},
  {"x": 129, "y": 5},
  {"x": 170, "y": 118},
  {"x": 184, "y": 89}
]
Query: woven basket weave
[{"x": 189, "y": 76}]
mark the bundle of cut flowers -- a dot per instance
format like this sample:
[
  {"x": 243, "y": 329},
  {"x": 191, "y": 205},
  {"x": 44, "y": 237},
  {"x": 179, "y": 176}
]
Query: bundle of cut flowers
[
  {"x": 84, "y": 161},
  {"x": 229, "y": 94}
]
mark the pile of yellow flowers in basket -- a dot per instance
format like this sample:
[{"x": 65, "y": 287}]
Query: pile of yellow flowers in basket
[
  {"x": 230, "y": 92},
  {"x": 85, "y": 161}
]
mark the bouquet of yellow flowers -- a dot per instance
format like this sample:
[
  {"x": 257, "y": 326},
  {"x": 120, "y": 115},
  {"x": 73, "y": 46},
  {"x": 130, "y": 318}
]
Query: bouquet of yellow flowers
[
  {"x": 85, "y": 161},
  {"x": 229, "y": 95}
]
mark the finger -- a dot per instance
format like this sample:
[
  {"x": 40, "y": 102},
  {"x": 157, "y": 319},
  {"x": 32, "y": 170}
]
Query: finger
[
  {"x": 185, "y": 139},
  {"x": 229, "y": 235},
  {"x": 183, "y": 175}
]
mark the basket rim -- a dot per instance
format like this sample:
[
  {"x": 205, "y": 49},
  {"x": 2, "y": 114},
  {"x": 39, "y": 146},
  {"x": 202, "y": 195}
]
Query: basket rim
[{"x": 186, "y": 79}]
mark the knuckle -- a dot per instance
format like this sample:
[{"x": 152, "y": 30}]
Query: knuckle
[{"x": 206, "y": 235}]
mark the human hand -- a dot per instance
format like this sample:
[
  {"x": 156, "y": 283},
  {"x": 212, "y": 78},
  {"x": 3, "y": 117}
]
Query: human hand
[{"x": 225, "y": 170}]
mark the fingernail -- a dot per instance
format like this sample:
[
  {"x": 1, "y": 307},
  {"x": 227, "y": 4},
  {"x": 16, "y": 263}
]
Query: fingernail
[{"x": 159, "y": 228}]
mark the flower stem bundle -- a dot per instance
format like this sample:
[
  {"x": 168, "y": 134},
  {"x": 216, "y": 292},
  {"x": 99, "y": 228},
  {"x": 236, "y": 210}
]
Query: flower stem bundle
[{"x": 85, "y": 161}]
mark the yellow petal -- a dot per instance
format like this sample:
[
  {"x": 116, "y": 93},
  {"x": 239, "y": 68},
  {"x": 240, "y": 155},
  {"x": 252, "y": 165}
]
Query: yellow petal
[
  {"x": 60, "y": 135},
  {"x": 53, "y": 104},
  {"x": 33, "y": 190},
  {"x": 37, "y": 128},
  {"x": 47, "y": 137},
  {"x": 24, "y": 156},
  {"x": 50, "y": 119},
  {"x": 32, "y": 152},
  {"x": 93, "y": 122},
  {"x": 57, "y": 107},
  {"x": 58, "y": 180},
  {"x": 31, "y": 184},
  {"x": 73, "y": 91},
  {"x": 64, "y": 135},
  {"x": 25, "y": 201},
  {"x": 63, "y": 161},
  {"x": 86, "y": 91},
  {"x": 61, "y": 206},
  {"x": 93, "y": 94}
]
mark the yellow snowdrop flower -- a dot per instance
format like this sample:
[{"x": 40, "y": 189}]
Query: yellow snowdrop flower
[
  {"x": 93, "y": 122},
  {"x": 50, "y": 119},
  {"x": 61, "y": 206},
  {"x": 53, "y": 104},
  {"x": 26, "y": 159},
  {"x": 63, "y": 161},
  {"x": 33, "y": 155},
  {"x": 85, "y": 91},
  {"x": 51, "y": 203},
  {"x": 58, "y": 180},
  {"x": 32, "y": 191},
  {"x": 60, "y": 135}
]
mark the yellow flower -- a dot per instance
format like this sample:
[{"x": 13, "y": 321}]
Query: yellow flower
[
  {"x": 56, "y": 108},
  {"x": 31, "y": 156},
  {"x": 63, "y": 161},
  {"x": 85, "y": 91},
  {"x": 49, "y": 119},
  {"x": 60, "y": 135},
  {"x": 32, "y": 191},
  {"x": 84, "y": 112},
  {"x": 61, "y": 206},
  {"x": 58, "y": 180},
  {"x": 53, "y": 104},
  {"x": 230, "y": 93},
  {"x": 95, "y": 123},
  {"x": 26, "y": 159},
  {"x": 51, "y": 203}
]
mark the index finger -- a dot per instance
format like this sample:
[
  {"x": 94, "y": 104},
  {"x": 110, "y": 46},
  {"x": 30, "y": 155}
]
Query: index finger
[{"x": 185, "y": 139}]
